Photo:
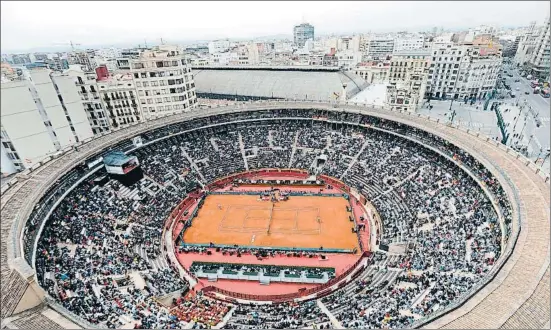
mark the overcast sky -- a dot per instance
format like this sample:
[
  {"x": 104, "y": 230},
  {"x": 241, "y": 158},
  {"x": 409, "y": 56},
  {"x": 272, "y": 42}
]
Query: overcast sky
[{"x": 27, "y": 24}]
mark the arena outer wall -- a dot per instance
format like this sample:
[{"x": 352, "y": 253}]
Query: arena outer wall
[{"x": 517, "y": 295}]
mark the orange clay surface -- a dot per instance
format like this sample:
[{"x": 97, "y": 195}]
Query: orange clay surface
[{"x": 244, "y": 220}]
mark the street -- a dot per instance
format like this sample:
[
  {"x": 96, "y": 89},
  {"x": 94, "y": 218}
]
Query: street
[
  {"x": 537, "y": 139},
  {"x": 540, "y": 106}
]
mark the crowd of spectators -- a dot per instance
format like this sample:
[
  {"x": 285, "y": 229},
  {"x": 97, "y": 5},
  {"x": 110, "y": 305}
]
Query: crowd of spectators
[
  {"x": 425, "y": 201},
  {"x": 278, "y": 316}
]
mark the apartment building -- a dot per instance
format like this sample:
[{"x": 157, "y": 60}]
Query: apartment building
[
  {"x": 41, "y": 113},
  {"x": 247, "y": 54},
  {"x": 301, "y": 33},
  {"x": 315, "y": 59},
  {"x": 408, "y": 79},
  {"x": 463, "y": 71},
  {"x": 224, "y": 58},
  {"x": 86, "y": 59},
  {"x": 444, "y": 70},
  {"x": 118, "y": 94},
  {"x": 478, "y": 74},
  {"x": 380, "y": 47},
  {"x": 539, "y": 62},
  {"x": 349, "y": 43},
  {"x": 163, "y": 80},
  {"x": 408, "y": 42},
  {"x": 348, "y": 59},
  {"x": 219, "y": 46},
  {"x": 112, "y": 52},
  {"x": 57, "y": 62},
  {"x": 86, "y": 82},
  {"x": 374, "y": 72}
]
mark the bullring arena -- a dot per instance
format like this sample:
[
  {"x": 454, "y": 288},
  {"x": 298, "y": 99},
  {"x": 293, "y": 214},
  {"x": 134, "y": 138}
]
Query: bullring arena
[{"x": 281, "y": 215}]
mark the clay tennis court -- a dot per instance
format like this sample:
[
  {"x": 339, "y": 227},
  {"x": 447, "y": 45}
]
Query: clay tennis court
[{"x": 300, "y": 222}]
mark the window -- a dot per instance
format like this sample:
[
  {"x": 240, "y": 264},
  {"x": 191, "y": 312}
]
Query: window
[
  {"x": 162, "y": 83},
  {"x": 138, "y": 84},
  {"x": 136, "y": 75},
  {"x": 167, "y": 99},
  {"x": 145, "y": 84},
  {"x": 149, "y": 101},
  {"x": 152, "y": 74},
  {"x": 154, "y": 84},
  {"x": 159, "y": 100},
  {"x": 143, "y": 75},
  {"x": 141, "y": 93}
]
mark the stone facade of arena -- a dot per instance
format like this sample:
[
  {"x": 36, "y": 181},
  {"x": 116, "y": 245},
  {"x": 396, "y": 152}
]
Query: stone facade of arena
[{"x": 517, "y": 295}]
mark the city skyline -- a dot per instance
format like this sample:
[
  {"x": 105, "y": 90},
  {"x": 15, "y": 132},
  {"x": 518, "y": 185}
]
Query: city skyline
[{"x": 28, "y": 26}]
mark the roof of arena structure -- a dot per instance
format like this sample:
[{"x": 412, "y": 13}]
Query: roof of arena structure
[
  {"x": 517, "y": 297},
  {"x": 274, "y": 83}
]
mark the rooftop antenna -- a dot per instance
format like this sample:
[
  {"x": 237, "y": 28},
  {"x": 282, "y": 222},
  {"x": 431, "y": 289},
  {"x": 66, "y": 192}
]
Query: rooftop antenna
[{"x": 145, "y": 41}]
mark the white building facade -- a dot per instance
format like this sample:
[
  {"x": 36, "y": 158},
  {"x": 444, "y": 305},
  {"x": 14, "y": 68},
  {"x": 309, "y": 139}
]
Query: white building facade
[
  {"x": 348, "y": 59},
  {"x": 41, "y": 113},
  {"x": 463, "y": 72},
  {"x": 163, "y": 80},
  {"x": 373, "y": 72},
  {"x": 408, "y": 79},
  {"x": 219, "y": 46},
  {"x": 407, "y": 43},
  {"x": 118, "y": 94},
  {"x": 380, "y": 48},
  {"x": 539, "y": 62},
  {"x": 90, "y": 96}
]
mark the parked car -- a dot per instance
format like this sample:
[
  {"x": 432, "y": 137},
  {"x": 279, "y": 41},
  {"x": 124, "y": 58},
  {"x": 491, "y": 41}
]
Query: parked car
[
  {"x": 527, "y": 93},
  {"x": 517, "y": 80}
]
